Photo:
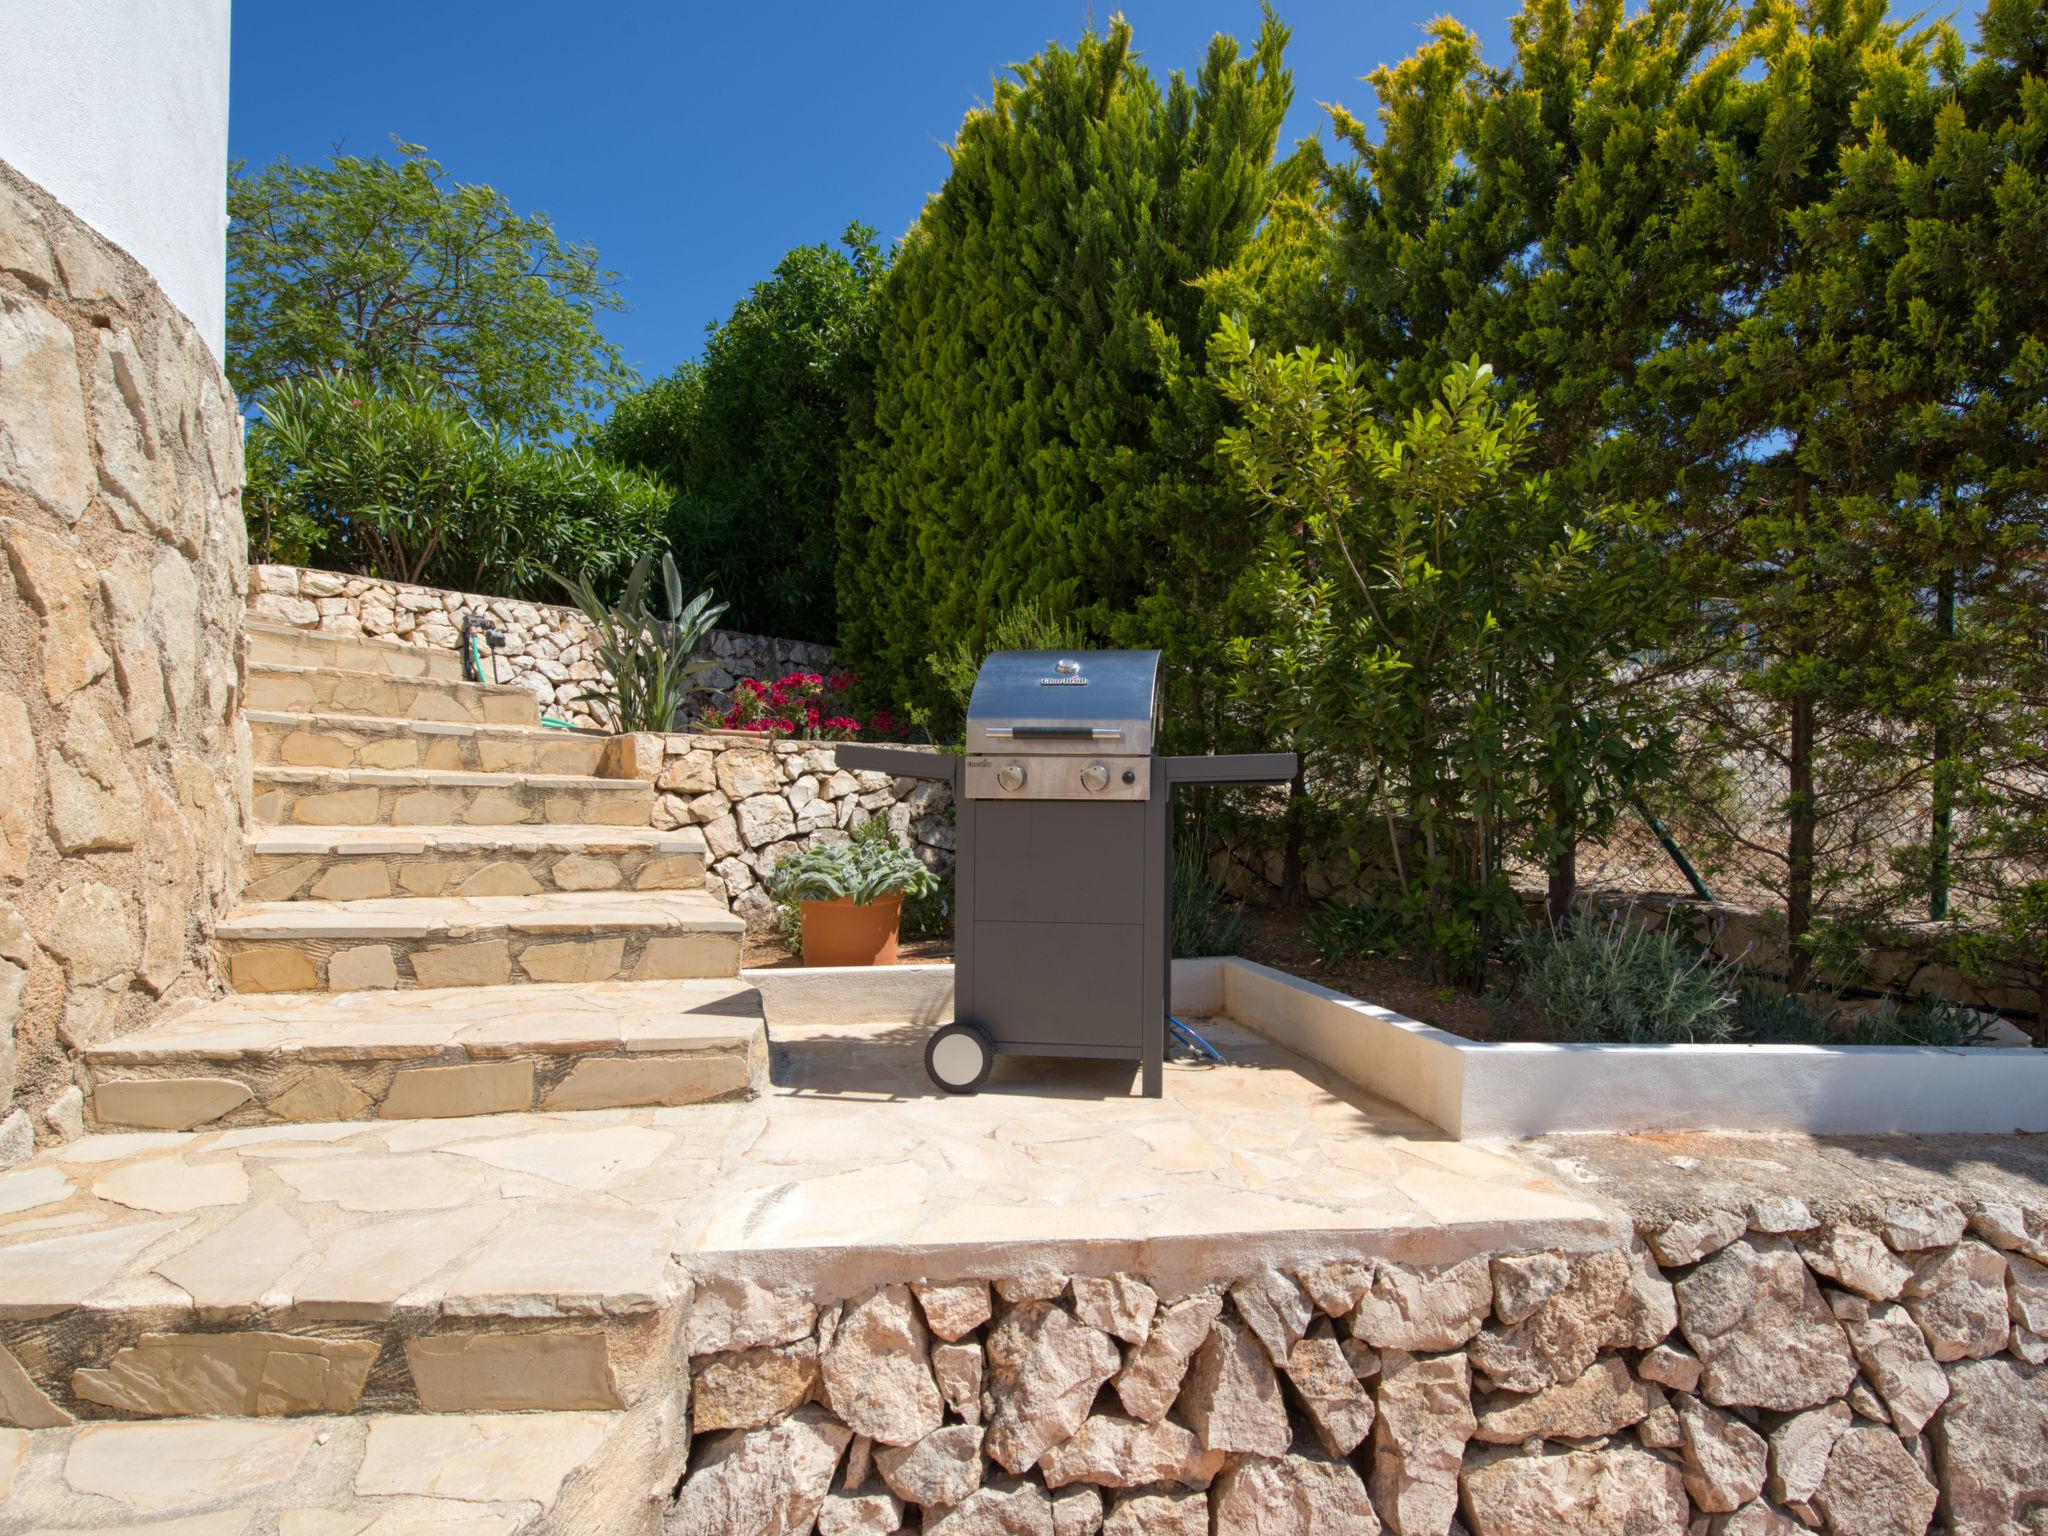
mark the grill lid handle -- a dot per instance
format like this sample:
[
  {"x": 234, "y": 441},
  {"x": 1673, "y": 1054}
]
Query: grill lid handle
[{"x": 1054, "y": 732}]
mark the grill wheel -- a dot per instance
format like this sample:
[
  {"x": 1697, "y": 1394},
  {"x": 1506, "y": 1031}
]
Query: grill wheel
[{"x": 958, "y": 1057}]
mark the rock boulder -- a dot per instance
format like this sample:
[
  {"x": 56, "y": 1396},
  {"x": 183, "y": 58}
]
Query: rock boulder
[
  {"x": 1424, "y": 1309},
  {"x": 1293, "y": 1496},
  {"x": 766, "y": 1482},
  {"x": 1726, "y": 1461},
  {"x": 1151, "y": 1377},
  {"x": 1111, "y": 1451},
  {"x": 1874, "y": 1488},
  {"x": 941, "y": 1469},
  {"x": 1418, "y": 1440},
  {"x": 1765, "y": 1338},
  {"x": 878, "y": 1375},
  {"x": 1231, "y": 1398},
  {"x": 1991, "y": 1443},
  {"x": 1613, "y": 1492},
  {"x": 1604, "y": 1400},
  {"x": 1044, "y": 1371},
  {"x": 1958, "y": 1297}
]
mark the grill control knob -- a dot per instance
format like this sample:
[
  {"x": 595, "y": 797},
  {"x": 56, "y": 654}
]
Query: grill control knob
[
  {"x": 1011, "y": 776},
  {"x": 1095, "y": 777}
]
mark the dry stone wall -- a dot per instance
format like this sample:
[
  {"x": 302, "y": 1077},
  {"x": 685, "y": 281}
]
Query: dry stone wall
[
  {"x": 121, "y": 753},
  {"x": 547, "y": 647},
  {"x": 755, "y": 800},
  {"x": 1744, "y": 1373}
]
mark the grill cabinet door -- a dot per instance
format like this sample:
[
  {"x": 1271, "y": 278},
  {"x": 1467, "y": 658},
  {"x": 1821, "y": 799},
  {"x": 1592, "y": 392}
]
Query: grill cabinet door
[{"x": 1058, "y": 925}]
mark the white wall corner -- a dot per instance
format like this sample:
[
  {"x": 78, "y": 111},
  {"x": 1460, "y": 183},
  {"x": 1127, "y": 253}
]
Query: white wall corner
[{"x": 120, "y": 112}]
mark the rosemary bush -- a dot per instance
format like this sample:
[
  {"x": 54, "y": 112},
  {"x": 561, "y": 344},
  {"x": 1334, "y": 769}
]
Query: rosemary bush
[
  {"x": 1619, "y": 983},
  {"x": 1205, "y": 920},
  {"x": 1929, "y": 1021}
]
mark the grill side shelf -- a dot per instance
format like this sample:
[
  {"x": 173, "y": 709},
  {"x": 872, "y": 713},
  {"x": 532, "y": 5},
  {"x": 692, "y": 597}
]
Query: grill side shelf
[
  {"x": 903, "y": 762},
  {"x": 1232, "y": 768}
]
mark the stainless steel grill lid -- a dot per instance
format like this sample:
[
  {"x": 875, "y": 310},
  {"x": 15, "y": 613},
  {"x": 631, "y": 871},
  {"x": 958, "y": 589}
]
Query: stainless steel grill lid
[{"x": 1065, "y": 702}]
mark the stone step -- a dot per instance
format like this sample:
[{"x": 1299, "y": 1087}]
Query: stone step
[
  {"x": 357, "y": 863},
  {"x": 348, "y": 741},
  {"x": 432, "y": 1053},
  {"x": 493, "y": 1263},
  {"x": 390, "y": 1474},
  {"x": 419, "y": 797},
  {"x": 326, "y": 691},
  {"x": 269, "y": 643},
  {"x": 474, "y": 941}
]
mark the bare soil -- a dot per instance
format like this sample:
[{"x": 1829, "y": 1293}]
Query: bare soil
[{"x": 1400, "y": 982}]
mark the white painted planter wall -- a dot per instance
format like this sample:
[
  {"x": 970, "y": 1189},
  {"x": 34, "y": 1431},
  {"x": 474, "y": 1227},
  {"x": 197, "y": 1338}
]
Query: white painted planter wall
[{"x": 1473, "y": 1089}]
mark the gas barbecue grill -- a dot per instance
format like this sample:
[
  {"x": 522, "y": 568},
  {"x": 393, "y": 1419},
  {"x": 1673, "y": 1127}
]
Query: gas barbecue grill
[{"x": 1063, "y": 879}]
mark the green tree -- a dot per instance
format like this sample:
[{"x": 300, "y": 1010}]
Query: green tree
[
  {"x": 1436, "y": 608},
  {"x": 1523, "y": 215},
  {"x": 1042, "y": 429},
  {"x": 1945, "y": 199},
  {"x": 1833, "y": 490},
  {"x": 752, "y": 436},
  {"x": 376, "y": 267},
  {"x": 402, "y": 483}
]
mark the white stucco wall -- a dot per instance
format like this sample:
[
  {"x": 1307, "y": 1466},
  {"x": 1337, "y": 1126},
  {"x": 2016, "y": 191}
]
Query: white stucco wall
[{"x": 119, "y": 108}]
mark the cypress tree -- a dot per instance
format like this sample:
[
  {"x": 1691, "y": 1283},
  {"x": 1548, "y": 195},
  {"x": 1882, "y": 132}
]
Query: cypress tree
[{"x": 1042, "y": 429}]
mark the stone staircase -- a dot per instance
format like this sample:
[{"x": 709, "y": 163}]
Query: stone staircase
[
  {"x": 449, "y": 910},
  {"x": 267, "y": 1297}
]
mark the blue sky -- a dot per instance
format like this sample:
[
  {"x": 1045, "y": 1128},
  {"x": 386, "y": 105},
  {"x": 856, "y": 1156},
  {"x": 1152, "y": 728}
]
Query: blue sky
[{"x": 693, "y": 144}]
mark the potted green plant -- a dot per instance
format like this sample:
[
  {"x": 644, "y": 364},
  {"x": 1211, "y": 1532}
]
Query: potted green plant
[{"x": 850, "y": 895}]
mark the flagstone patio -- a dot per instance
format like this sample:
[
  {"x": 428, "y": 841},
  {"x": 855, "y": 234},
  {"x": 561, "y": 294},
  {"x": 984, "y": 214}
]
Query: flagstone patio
[{"x": 850, "y": 1169}]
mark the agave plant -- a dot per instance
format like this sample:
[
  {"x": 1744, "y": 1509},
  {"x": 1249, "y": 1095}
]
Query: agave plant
[
  {"x": 652, "y": 661},
  {"x": 867, "y": 867}
]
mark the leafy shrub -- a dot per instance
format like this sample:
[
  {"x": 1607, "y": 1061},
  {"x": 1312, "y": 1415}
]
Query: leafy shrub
[
  {"x": 751, "y": 437},
  {"x": 1205, "y": 920},
  {"x": 401, "y": 483},
  {"x": 1773, "y": 1017},
  {"x": 1619, "y": 983},
  {"x": 1929, "y": 1021},
  {"x": 929, "y": 914},
  {"x": 866, "y": 867},
  {"x": 652, "y": 660},
  {"x": 1026, "y": 626},
  {"x": 1348, "y": 930}
]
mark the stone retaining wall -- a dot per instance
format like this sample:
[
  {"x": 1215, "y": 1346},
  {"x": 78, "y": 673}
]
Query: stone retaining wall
[
  {"x": 1737, "y": 1373},
  {"x": 547, "y": 646},
  {"x": 756, "y": 799},
  {"x": 121, "y": 749}
]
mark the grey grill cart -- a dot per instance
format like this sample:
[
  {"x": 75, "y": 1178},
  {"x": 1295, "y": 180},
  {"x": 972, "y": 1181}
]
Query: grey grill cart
[{"x": 1064, "y": 860}]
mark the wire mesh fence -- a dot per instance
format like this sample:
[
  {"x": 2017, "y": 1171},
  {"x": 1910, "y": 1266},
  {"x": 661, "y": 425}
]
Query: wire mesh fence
[{"x": 1882, "y": 851}]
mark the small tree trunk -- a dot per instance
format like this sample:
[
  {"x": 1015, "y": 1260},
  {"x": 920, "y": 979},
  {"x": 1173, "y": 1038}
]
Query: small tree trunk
[
  {"x": 1944, "y": 748},
  {"x": 1293, "y": 879},
  {"x": 1564, "y": 855},
  {"x": 1802, "y": 814}
]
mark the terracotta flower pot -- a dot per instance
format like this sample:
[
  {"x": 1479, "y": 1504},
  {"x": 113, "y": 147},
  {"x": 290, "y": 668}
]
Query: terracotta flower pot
[{"x": 840, "y": 933}]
